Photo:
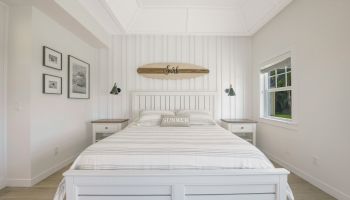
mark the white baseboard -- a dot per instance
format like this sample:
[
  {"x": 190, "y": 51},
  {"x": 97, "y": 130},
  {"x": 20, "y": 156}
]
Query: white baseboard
[
  {"x": 18, "y": 182},
  {"x": 41, "y": 176},
  {"x": 52, "y": 170},
  {"x": 311, "y": 179}
]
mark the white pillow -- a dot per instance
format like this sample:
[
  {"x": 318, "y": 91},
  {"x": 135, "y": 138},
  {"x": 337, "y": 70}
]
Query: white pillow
[
  {"x": 198, "y": 117},
  {"x": 175, "y": 121},
  {"x": 152, "y": 117}
]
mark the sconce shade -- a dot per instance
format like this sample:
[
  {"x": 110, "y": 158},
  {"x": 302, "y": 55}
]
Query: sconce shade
[
  {"x": 115, "y": 90},
  {"x": 230, "y": 91}
]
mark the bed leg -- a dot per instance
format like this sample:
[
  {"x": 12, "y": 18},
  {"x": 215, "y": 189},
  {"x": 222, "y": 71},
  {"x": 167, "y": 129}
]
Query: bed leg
[
  {"x": 71, "y": 191},
  {"x": 178, "y": 192},
  {"x": 281, "y": 193}
]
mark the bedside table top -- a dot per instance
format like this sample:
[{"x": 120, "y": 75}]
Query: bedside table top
[
  {"x": 110, "y": 121},
  {"x": 238, "y": 121}
]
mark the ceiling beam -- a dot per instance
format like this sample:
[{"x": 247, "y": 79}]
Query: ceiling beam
[
  {"x": 71, "y": 19},
  {"x": 115, "y": 20}
]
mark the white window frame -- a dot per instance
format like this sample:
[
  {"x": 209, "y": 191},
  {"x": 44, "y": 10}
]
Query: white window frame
[{"x": 264, "y": 90}]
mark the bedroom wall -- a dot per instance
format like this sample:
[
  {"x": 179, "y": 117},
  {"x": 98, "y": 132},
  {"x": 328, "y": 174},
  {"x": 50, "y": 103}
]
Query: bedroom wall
[
  {"x": 3, "y": 67},
  {"x": 317, "y": 147},
  {"x": 46, "y": 131},
  {"x": 57, "y": 123},
  {"x": 227, "y": 58},
  {"x": 18, "y": 96}
]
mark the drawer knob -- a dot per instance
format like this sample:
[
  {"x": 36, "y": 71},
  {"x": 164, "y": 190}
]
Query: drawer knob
[
  {"x": 106, "y": 127},
  {"x": 242, "y": 127}
]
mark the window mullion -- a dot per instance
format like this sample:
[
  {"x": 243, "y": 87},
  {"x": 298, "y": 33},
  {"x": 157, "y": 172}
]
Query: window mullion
[{"x": 280, "y": 89}]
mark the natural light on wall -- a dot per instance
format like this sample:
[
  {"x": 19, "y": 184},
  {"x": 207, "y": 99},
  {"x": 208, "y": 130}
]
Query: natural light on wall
[{"x": 276, "y": 89}]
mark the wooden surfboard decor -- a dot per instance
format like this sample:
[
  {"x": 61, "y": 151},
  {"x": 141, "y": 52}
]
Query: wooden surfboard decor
[{"x": 171, "y": 71}]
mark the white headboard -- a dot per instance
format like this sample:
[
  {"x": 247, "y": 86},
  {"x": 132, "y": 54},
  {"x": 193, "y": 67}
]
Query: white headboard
[{"x": 152, "y": 100}]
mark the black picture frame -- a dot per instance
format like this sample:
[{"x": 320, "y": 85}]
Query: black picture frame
[
  {"x": 47, "y": 62},
  {"x": 46, "y": 87},
  {"x": 71, "y": 94}
]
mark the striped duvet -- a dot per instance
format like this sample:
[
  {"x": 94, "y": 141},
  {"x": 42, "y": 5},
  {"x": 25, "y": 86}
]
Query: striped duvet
[
  {"x": 171, "y": 148},
  {"x": 196, "y": 147}
]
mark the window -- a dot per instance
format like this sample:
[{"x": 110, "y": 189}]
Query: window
[{"x": 276, "y": 90}]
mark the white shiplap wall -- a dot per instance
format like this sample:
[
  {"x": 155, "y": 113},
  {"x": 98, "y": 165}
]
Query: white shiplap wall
[{"x": 227, "y": 58}]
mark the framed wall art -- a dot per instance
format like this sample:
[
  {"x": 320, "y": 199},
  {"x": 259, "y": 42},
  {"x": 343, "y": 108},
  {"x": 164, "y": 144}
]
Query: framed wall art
[
  {"x": 52, "y": 84},
  {"x": 78, "y": 78},
  {"x": 52, "y": 58}
]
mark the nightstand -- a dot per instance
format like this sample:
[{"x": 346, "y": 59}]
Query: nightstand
[
  {"x": 105, "y": 127},
  {"x": 244, "y": 128}
]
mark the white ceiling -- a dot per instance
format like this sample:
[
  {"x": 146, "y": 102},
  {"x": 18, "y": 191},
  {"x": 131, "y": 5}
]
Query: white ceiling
[{"x": 207, "y": 17}]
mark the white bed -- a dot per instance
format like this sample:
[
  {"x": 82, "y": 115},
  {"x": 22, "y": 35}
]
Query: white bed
[{"x": 162, "y": 163}]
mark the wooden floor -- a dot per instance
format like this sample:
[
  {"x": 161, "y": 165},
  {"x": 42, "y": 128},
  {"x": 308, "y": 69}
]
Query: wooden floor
[{"x": 302, "y": 190}]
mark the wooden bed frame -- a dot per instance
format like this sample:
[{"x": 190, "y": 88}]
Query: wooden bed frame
[{"x": 235, "y": 184}]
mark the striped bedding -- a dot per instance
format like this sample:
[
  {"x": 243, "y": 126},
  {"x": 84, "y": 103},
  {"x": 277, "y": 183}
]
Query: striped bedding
[{"x": 171, "y": 148}]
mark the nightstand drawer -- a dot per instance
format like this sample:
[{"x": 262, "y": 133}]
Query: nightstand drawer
[
  {"x": 107, "y": 128},
  {"x": 241, "y": 128}
]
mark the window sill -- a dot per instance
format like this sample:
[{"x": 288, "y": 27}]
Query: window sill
[{"x": 287, "y": 124}]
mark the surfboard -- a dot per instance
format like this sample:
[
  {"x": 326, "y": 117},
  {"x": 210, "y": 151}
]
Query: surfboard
[{"x": 172, "y": 71}]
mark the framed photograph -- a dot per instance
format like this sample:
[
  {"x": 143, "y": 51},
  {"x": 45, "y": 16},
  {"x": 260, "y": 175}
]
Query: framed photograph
[
  {"x": 52, "y": 58},
  {"x": 52, "y": 84},
  {"x": 78, "y": 78}
]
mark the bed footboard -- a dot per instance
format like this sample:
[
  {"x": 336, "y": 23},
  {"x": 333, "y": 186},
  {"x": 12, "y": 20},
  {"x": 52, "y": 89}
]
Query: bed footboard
[{"x": 240, "y": 184}]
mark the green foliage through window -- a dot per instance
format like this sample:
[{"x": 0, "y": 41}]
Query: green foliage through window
[
  {"x": 281, "y": 104},
  {"x": 278, "y": 95}
]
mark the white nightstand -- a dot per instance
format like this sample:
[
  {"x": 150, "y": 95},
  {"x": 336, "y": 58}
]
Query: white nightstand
[
  {"x": 105, "y": 127},
  {"x": 244, "y": 128}
]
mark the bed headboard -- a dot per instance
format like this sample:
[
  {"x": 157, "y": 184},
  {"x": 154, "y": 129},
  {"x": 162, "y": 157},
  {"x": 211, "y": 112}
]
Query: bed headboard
[{"x": 151, "y": 100}]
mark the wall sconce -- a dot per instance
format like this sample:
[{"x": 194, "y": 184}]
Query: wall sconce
[
  {"x": 230, "y": 91},
  {"x": 115, "y": 90}
]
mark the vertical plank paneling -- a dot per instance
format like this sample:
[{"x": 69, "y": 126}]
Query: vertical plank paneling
[
  {"x": 219, "y": 71},
  {"x": 110, "y": 78},
  {"x": 227, "y": 58},
  {"x": 233, "y": 68},
  {"x": 212, "y": 64},
  {"x": 123, "y": 80},
  {"x": 225, "y": 75},
  {"x": 239, "y": 83}
]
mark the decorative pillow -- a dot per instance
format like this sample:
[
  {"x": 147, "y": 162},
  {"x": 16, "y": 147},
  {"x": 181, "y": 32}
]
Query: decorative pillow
[
  {"x": 175, "y": 121},
  {"x": 198, "y": 117}
]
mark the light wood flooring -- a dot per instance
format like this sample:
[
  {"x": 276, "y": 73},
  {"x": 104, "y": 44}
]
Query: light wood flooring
[{"x": 46, "y": 189}]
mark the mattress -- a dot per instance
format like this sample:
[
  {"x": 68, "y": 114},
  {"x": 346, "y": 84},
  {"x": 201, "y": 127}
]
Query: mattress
[{"x": 167, "y": 148}]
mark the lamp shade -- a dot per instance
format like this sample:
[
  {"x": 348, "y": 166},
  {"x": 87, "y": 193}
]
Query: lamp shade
[
  {"x": 230, "y": 91},
  {"x": 115, "y": 90}
]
